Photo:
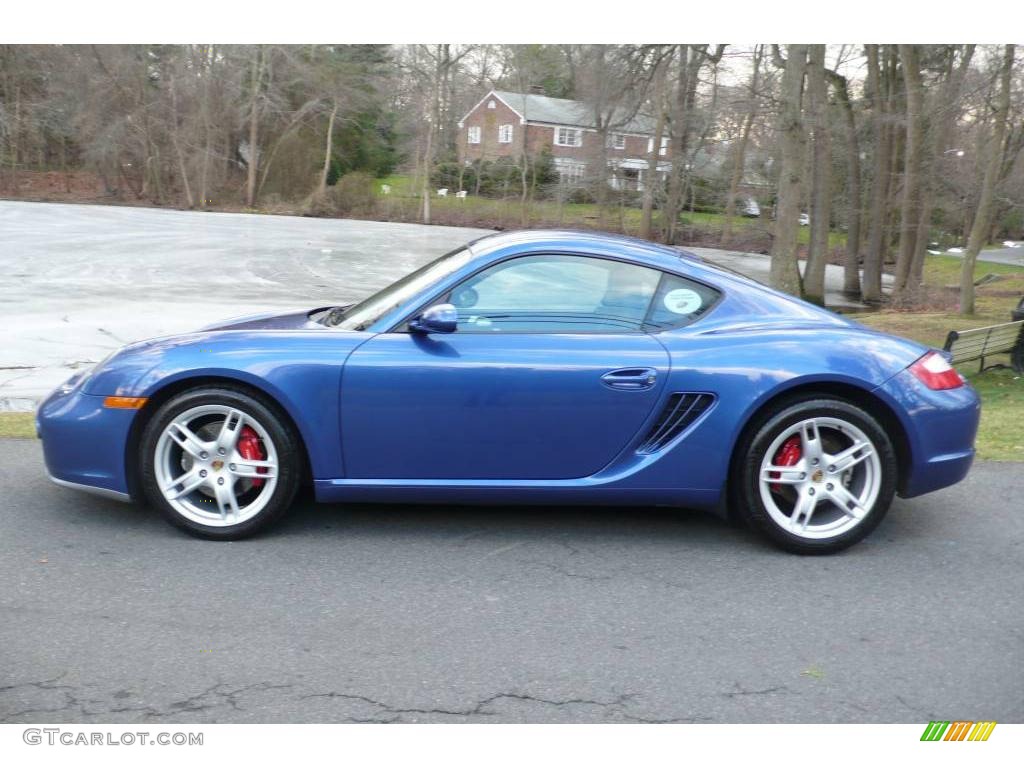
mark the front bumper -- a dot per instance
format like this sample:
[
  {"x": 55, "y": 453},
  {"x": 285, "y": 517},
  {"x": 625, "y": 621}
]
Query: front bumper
[{"x": 84, "y": 443}]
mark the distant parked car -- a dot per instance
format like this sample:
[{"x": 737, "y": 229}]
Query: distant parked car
[
  {"x": 956, "y": 249},
  {"x": 751, "y": 209},
  {"x": 805, "y": 220}
]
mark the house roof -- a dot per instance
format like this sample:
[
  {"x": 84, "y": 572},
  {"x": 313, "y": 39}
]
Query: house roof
[{"x": 535, "y": 108}]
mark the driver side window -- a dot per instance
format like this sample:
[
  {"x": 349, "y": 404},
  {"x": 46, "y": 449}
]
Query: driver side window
[{"x": 556, "y": 294}]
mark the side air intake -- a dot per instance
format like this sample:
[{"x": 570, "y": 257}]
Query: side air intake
[{"x": 681, "y": 410}]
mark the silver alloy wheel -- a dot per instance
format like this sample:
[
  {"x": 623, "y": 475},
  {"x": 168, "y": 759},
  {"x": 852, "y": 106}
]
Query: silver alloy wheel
[
  {"x": 832, "y": 487},
  {"x": 202, "y": 475}
]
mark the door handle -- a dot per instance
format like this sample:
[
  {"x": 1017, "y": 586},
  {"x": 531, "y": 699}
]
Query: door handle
[{"x": 630, "y": 378}]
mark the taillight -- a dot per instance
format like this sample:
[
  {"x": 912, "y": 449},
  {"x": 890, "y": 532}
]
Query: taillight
[{"x": 935, "y": 372}]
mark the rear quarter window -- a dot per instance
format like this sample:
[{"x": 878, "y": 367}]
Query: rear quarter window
[{"x": 679, "y": 302}]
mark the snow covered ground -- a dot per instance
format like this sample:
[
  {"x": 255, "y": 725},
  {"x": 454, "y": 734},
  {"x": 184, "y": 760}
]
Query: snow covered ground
[{"x": 79, "y": 281}]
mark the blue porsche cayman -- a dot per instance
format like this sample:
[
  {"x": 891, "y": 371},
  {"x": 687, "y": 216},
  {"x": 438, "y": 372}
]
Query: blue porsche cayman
[{"x": 534, "y": 367}]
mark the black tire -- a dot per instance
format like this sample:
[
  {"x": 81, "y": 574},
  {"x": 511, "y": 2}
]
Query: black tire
[
  {"x": 748, "y": 503},
  {"x": 286, "y": 442}
]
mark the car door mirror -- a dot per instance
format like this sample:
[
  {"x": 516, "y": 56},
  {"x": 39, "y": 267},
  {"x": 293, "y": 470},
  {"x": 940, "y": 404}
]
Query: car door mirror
[{"x": 440, "y": 318}]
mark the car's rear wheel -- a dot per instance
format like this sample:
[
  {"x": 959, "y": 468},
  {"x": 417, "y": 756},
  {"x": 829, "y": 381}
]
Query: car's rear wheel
[
  {"x": 817, "y": 476},
  {"x": 219, "y": 463}
]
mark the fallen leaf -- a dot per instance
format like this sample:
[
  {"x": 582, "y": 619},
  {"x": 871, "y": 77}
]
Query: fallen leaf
[{"x": 814, "y": 671}]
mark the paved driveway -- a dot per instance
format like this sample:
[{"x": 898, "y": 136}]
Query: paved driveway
[
  {"x": 1011, "y": 256},
  {"x": 505, "y": 614}
]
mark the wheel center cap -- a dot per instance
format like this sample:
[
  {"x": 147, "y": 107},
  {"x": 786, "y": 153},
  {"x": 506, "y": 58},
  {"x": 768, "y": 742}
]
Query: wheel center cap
[
  {"x": 817, "y": 477},
  {"x": 218, "y": 464}
]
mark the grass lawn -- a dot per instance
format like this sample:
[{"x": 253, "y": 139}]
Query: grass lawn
[
  {"x": 509, "y": 213},
  {"x": 17, "y": 425}
]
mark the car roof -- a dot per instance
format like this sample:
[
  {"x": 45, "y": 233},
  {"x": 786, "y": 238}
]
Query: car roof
[
  {"x": 503, "y": 244},
  {"x": 567, "y": 241}
]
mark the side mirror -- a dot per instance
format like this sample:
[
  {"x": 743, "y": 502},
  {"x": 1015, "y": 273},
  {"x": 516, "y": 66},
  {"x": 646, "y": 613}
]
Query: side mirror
[{"x": 440, "y": 318}]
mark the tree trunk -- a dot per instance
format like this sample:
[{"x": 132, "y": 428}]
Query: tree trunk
[
  {"x": 327, "y": 151},
  {"x": 182, "y": 167},
  {"x": 905, "y": 289},
  {"x": 982, "y": 219},
  {"x": 679, "y": 139},
  {"x": 254, "y": 122},
  {"x": 427, "y": 165},
  {"x": 944, "y": 117},
  {"x": 821, "y": 177},
  {"x": 785, "y": 274},
  {"x": 874, "y": 255},
  {"x": 739, "y": 156},
  {"x": 851, "y": 263},
  {"x": 524, "y": 178},
  {"x": 204, "y": 115},
  {"x": 651, "y": 183}
]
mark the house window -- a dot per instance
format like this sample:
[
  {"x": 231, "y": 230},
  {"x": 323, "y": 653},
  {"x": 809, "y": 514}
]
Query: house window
[
  {"x": 505, "y": 134},
  {"x": 618, "y": 141},
  {"x": 474, "y": 134},
  {"x": 662, "y": 149},
  {"x": 491, "y": 104},
  {"x": 569, "y": 171},
  {"x": 568, "y": 137}
]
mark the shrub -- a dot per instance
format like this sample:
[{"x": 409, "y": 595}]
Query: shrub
[
  {"x": 580, "y": 194},
  {"x": 354, "y": 194}
]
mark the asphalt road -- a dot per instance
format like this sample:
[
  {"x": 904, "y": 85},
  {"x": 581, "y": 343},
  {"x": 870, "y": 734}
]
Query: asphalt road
[
  {"x": 1011, "y": 256},
  {"x": 432, "y": 614}
]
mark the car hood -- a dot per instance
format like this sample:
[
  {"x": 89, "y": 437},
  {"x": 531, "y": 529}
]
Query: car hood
[{"x": 270, "y": 321}]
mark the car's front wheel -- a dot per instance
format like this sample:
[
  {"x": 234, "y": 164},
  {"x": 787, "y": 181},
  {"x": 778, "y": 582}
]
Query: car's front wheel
[
  {"x": 817, "y": 476},
  {"x": 219, "y": 463}
]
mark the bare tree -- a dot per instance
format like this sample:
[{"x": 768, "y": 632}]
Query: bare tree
[
  {"x": 255, "y": 110},
  {"x": 982, "y": 217},
  {"x": 905, "y": 289},
  {"x": 851, "y": 263},
  {"x": 821, "y": 177},
  {"x": 740, "y": 153},
  {"x": 943, "y": 114},
  {"x": 691, "y": 60},
  {"x": 653, "y": 156},
  {"x": 785, "y": 271}
]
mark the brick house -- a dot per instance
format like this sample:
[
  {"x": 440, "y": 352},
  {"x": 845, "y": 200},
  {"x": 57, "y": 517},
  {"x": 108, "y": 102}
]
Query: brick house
[{"x": 507, "y": 124}]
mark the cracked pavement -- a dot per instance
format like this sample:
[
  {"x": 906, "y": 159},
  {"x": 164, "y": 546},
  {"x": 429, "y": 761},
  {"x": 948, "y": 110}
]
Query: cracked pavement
[{"x": 471, "y": 614}]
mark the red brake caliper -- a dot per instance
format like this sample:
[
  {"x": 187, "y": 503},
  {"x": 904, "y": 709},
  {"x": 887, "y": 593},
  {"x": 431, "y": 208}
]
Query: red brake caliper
[
  {"x": 789, "y": 453},
  {"x": 250, "y": 448}
]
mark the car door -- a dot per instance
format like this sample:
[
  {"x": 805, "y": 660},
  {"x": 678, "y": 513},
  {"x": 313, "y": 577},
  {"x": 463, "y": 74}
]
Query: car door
[{"x": 548, "y": 376}]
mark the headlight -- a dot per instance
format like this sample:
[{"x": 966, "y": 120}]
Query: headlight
[{"x": 84, "y": 375}]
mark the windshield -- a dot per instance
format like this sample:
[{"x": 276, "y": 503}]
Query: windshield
[{"x": 367, "y": 312}]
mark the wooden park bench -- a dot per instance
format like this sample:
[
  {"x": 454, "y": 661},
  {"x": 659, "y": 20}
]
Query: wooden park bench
[{"x": 979, "y": 343}]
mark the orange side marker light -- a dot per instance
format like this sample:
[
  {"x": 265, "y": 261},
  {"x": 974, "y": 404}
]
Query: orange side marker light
[{"x": 131, "y": 403}]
